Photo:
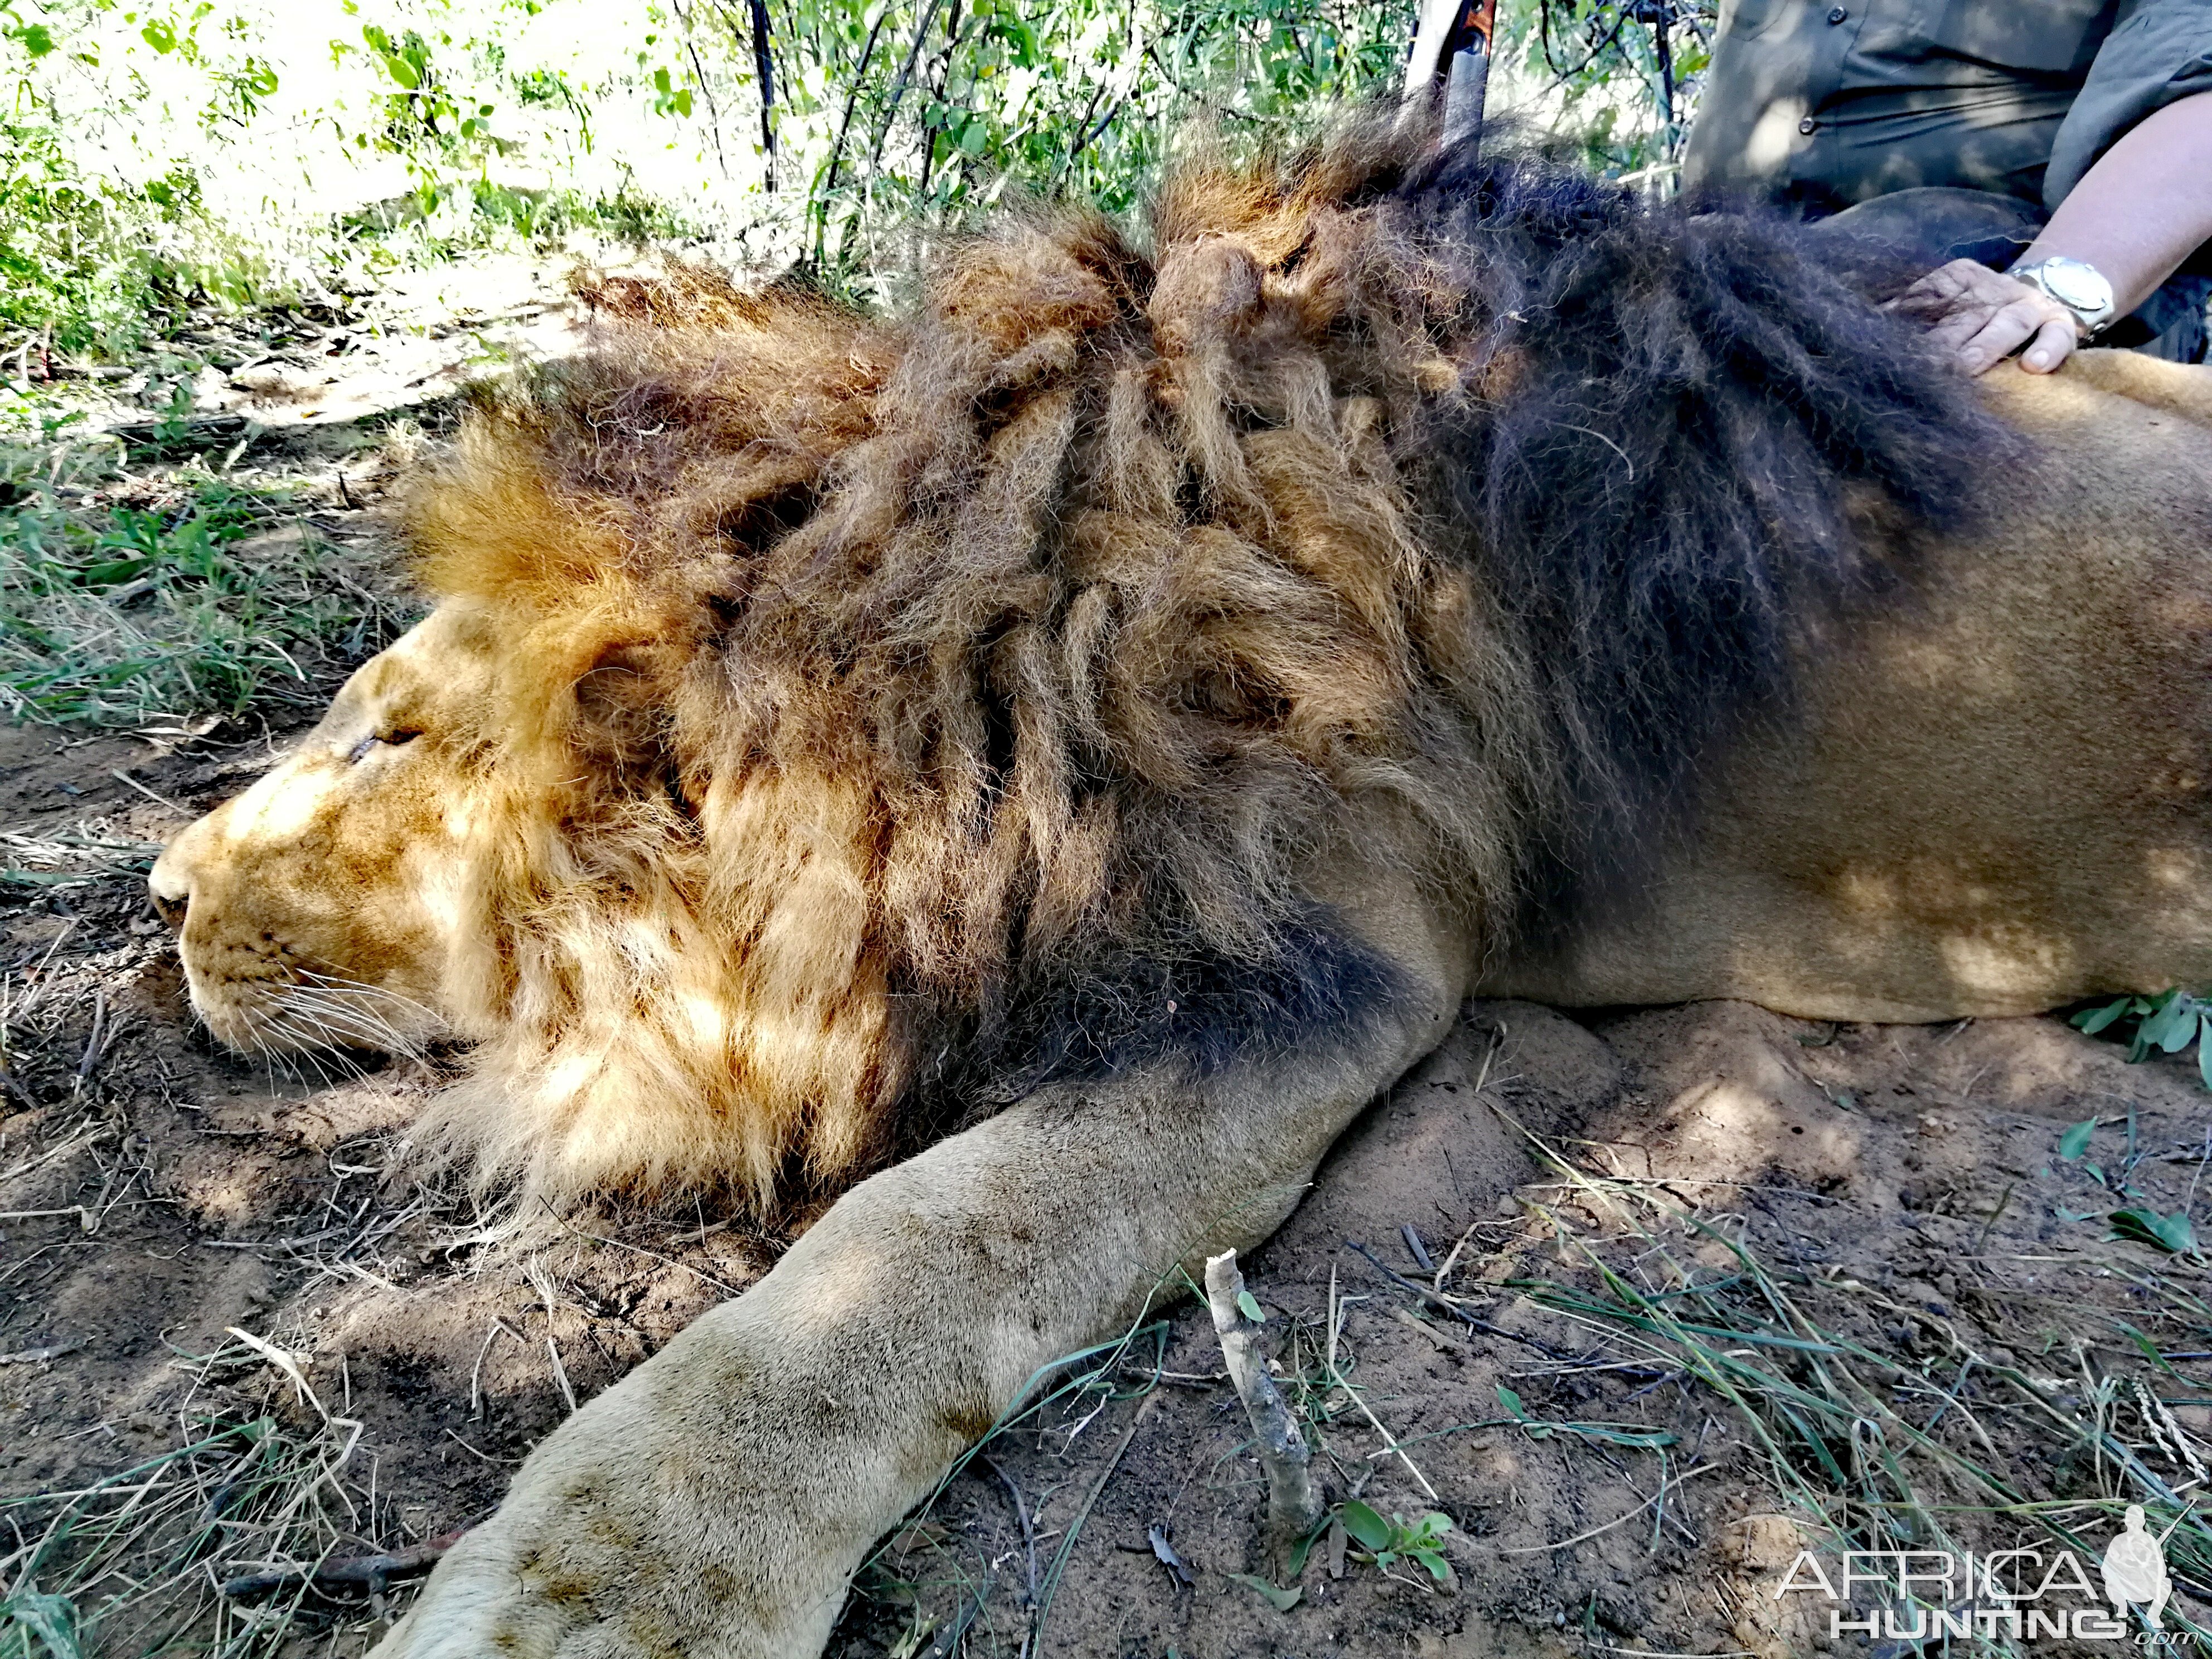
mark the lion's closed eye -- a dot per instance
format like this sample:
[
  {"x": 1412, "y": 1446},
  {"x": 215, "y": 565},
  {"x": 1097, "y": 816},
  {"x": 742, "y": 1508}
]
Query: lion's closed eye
[{"x": 389, "y": 739}]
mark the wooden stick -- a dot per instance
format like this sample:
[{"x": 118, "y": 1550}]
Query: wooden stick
[
  {"x": 1294, "y": 1503},
  {"x": 358, "y": 1575}
]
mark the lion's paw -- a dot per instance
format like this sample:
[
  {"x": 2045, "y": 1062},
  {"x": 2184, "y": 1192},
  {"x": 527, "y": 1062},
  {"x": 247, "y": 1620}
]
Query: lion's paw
[
  {"x": 655, "y": 1523},
  {"x": 587, "y": 1584}
]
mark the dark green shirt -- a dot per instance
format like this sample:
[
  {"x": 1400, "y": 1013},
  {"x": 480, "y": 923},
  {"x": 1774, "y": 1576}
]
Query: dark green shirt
[{"x": 1824, "y": 104}]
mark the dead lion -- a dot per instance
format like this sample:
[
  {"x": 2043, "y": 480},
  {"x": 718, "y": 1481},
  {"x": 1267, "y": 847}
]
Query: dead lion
[{"x": 1067, "y": 751}]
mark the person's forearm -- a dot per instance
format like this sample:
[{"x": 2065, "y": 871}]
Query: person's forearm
[{"x": 2144, "y": 207}]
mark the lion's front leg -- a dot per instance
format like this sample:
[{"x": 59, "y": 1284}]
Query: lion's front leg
[{"x": 716, "y": 1503}]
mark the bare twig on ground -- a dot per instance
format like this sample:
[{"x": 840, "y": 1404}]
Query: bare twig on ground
[
  {"x": 39, "y": 1356},
  {"x": 1294, "y": 1503},
  {"x": 1444, "y": 1339},
  {"x": 1659, "y": 1496},
  {"x": 123, "y": 776},
  {"x": 639, "y": 1250},
  {"x": 365, "y": 1574}
]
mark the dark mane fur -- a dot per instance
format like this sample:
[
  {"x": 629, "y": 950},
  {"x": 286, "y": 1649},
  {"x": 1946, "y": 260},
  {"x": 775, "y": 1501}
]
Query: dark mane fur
[
  {"x": 978, "y": 685},
  {"x": 1710, "y": 438}
]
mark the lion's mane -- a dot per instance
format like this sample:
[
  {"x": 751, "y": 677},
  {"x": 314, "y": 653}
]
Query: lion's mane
[{"x": 898, "y": 714}]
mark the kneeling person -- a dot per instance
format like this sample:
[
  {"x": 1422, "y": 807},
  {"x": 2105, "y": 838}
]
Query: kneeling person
[{"x": 2049, "y": 161}]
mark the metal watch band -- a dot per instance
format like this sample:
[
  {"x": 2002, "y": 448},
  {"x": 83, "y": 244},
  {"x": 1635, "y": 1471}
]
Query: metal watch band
[{"x": 2089, "y": 322}]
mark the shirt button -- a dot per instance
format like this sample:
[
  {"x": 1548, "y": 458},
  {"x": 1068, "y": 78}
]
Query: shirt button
[
  {"x": 1808, "y": 125},
  {"x": 1837, "y": 14}
]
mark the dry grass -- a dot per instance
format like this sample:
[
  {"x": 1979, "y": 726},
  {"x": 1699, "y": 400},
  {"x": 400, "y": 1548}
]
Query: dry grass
[
  {"x": 1883, "y": 1425},
  {"x": 135, "y": 1562}
]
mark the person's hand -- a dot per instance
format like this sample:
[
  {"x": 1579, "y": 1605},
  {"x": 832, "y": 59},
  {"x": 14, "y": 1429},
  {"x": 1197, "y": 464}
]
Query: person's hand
[{"x": 1983, "y": 316}]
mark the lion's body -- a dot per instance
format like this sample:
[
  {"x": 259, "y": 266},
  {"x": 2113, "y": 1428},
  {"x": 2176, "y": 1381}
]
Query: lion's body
[
  {"x": 1096, "y": 733},
  {"x": 1992, "y": 801}
]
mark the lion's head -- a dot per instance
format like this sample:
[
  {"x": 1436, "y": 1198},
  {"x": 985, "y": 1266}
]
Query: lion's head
[
  {"x": 323, "y": 907},
  {"x": 830, "y": 728}
]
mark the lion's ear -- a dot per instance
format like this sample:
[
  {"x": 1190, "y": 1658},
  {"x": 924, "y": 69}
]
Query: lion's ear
[{"x": 622, "y": 703}]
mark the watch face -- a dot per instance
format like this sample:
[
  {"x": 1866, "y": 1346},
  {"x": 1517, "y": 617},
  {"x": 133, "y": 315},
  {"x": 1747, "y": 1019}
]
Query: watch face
[{"x": 2082, "y": 286}]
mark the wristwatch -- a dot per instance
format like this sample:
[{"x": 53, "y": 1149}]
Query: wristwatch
[{"x": 2081, "y": 287}]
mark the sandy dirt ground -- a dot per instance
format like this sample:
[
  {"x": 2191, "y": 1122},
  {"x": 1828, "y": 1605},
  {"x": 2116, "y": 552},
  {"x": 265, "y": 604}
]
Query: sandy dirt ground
[{"x": 1643, "y": 1301}]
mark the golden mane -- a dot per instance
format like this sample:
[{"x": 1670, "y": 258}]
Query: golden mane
[{"x": 896, "y": 713}]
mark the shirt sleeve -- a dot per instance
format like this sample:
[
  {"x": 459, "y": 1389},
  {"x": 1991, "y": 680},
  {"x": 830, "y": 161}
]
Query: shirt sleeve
[{"x": 2158, "y": 53}]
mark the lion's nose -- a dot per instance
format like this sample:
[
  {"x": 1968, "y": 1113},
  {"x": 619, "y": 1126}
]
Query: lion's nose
[{"x": 172, "y": 896}]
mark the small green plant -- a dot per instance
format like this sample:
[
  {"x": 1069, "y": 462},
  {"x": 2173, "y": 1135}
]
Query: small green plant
[
  {"x": 1607, "y": 1434},
  {"x": 2167, "y": 1023},
  {"x": 51, "y": 1619},
  {"x": 172, "y": 422},
  {"x": 1385, "y": 1543},
  {"x": 2175, "y": 1234},
  {"x": 2136, "y": 1222},
  {"x": 203, "y": 607}
]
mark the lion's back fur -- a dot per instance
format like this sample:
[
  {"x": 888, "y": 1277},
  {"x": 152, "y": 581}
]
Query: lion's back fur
[{"x": 900, "y": 713}]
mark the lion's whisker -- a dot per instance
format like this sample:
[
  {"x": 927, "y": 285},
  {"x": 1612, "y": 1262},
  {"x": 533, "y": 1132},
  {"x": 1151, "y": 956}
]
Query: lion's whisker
[
  {"x": 346, "y": 1014},
  {"x": 274, "y": 1061},
  {"x": 361, "y": 1026},
  {"x": 321, "y": 1002},
  {"x": 310, "y": 1039},
  {"x": 329, "y": 1032},
  {"x": 303, "y": 1042},
  {"x": 346, "y": 986}
]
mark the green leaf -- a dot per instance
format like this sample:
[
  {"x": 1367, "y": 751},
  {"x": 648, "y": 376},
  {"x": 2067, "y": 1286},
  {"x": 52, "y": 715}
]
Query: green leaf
[
  {"x": 160, "y": 35},
  {"x": 35, "y": 38},
  {"x": 2076, "y": 1140},
  {"x": 1642, "y": 1439},
  {"x": 395, "y": 59},
  {"x": 2169, "y": 1024},
  {"x": 1304, "y": 1549},
  {"x": 1511, "y": 1401},
  {"x": 115, "y": 571},
  {"x": 1278, "y": 1598},
  {"x": 51, "y": 1619},
  {"x": 2171, "y": 1233},
  {"x": 1366, "y": 1529},
  {"x": 2093, "y": 1020},
  {"x": 1028, "y": 51},
  {"x": 2150, "y": 1350},
  {"x": 1434, "y": 1561},
  {"x": 1248, "y": 1306},
  {"x": 2204, "y": 1048}
]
